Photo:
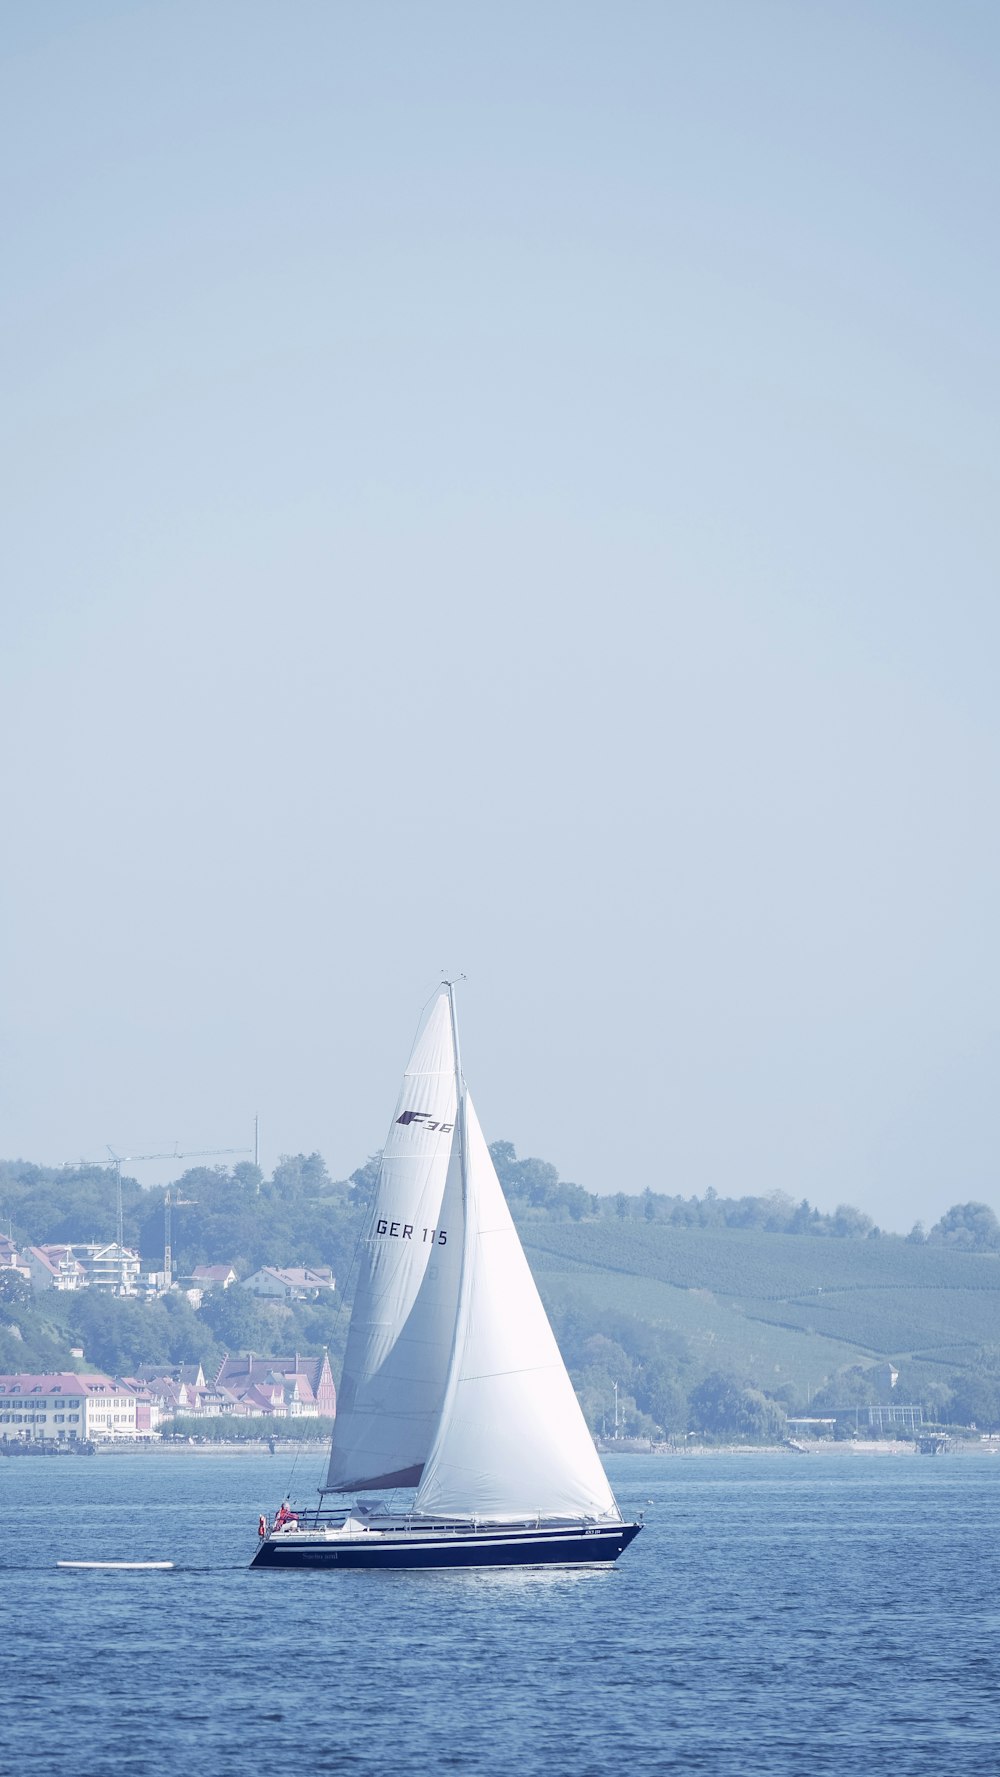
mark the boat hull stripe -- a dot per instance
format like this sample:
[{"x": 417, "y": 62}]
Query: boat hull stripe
[{"x": 574, "y": 1549}]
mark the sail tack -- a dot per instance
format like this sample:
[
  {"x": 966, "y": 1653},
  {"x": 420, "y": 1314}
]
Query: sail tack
[{"x": 406, "y": 1302}]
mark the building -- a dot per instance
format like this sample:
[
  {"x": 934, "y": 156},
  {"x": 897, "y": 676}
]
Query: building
[
  {"x": 55, "y": 1268},
  {"x": 297, "y": 1283},
  {"x": 110, "y": 1267},
  {"x": 65, "y": 1407},
  {"x": 148, "y": 1410},
  {"x": 12, "y": 1260},
  {"x": 100, "y": 1265},
  {"x": 213, "y": 1277},
  {"x": 287, "y": 1387},
  {"x": 245, "y": 1387}
]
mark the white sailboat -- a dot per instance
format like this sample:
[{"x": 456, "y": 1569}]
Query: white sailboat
[{"x": 453, "y": 1383}]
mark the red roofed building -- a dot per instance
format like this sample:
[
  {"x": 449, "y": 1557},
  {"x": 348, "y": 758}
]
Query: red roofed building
[
  {"x": 65, "y": 1407},
  {"x": 55, "y": 1268},
  {"x": 304, "y": 1384}
]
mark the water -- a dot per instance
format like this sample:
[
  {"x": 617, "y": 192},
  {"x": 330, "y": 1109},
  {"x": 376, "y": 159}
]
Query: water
[{"x": 779, "y": 1614}]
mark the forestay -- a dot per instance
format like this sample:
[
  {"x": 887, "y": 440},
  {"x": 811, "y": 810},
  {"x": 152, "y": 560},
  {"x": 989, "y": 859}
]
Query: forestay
[{"x": 406, "y": 1303}]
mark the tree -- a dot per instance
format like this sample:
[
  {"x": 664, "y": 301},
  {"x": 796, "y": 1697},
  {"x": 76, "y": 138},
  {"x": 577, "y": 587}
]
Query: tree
[
  {"x": 15, "y": 1290},
  {"x": 851, "y": 1224},
  {"x": 969, "y": 1225},
  {"x": 721, "y": 1406},
  {"x": 715, "y": 1404},
  {"x": 363, "y": 1182},
  {"x": 248, "y": 1177},
  {"x": 299, "y": 1175},
  {"x": 976, "y": 1401},
  {"x": 117, "y": 1333},
  {"x": 237, "y": 1319},
  {"x": 659, "y": 1393},
  {"x": 853, "y": 1387}
]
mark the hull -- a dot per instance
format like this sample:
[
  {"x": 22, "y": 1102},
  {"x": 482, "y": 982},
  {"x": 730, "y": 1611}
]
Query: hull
[{"x": 557, "y": 1547}]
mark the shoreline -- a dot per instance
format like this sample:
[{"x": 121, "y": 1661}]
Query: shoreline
[{"x": 686, "y": 1452}]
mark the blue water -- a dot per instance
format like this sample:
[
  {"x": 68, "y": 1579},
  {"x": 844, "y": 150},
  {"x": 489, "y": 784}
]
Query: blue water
[{"x": 779, "y": 1614}]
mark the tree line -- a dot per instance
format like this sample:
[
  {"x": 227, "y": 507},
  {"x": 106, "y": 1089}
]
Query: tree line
[{"x": 299, "y": 1215}]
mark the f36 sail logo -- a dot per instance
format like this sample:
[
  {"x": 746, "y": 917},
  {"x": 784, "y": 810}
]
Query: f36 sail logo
[{"x": 425, "y": 1121}]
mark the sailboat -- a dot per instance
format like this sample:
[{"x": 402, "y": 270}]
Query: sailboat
[{"x": 453, "y": 1387}]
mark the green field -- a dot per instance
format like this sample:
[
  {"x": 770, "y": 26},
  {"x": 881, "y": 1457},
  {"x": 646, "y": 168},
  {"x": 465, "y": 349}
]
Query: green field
[{"x": 780, "y": 1308}]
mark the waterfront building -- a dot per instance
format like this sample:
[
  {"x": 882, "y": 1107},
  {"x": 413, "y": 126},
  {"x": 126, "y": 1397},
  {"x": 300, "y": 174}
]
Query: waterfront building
[
  {"x": 245, "y": 1387},
  {"x": 148, "y": 1411},
  {"x": 299, "y": 1387},
  {"x": 65, "y": 1407}
]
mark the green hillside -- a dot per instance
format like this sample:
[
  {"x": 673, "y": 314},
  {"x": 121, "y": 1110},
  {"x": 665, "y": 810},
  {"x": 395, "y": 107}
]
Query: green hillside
[
  {"x": 714, "y": 1315},
  {"x": 776, "y": 1307}
]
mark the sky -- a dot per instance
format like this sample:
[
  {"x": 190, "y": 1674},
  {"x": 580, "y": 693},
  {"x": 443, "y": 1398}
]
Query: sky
[{"x": 512, "y": 491}]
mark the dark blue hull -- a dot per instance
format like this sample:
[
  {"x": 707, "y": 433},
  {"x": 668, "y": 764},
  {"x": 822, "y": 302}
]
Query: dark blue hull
[{"x": 474, "y": 1548}]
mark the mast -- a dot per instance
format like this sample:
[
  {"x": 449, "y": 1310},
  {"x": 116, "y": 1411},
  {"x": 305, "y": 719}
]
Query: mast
[
  {"x": 465, "y": 1258},
  {"x": 460, "y": 1118}
]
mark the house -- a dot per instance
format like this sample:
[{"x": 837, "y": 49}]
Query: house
[
  {"x": 274, "y": 1387},
  {"x": 108, "y": 1266},
  {"x": 55, "y": 1268},
  {"x": 148, "y": 1411},
  {"x": 209, "y": 1277},
  {"x": 296, "y": 1387},
  {"x": 12, "y": 1260},
  {"x": 297, "y": 1283},
  {"x": 101, "y": 1265},
  {"x": 192, "y": 1374},
  {"x": 65, "y": 1407}
]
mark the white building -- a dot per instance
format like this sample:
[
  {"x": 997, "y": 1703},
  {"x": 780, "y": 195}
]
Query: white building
[
  {"x": 102, "y": 1265},
  {"x": 65, "y": 1408},
  {"x": 295, "y": 1283},
  {"x": 210, "y": 1277},
  {"x": 55, "y": 1268}
]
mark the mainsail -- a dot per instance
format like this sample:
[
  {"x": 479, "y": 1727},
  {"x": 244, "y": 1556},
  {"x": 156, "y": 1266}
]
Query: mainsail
[
  {"x": 402, "y": 1327},
  {"x": 453, "y": 1381}
]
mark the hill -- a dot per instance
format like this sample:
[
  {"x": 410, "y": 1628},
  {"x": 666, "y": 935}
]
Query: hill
[
  {"x": 717, "y": 1313},
  {"x": 783, "y": 1311}
]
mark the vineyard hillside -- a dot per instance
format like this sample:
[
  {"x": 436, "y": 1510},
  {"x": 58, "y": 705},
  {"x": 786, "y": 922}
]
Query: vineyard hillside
[{"x": 779, "y": 1308}]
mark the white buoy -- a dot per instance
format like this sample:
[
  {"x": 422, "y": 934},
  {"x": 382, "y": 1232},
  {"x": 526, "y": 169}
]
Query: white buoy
[{"x": 130, "y": 1566}]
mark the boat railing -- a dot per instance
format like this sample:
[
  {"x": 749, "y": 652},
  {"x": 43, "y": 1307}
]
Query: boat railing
[{"x": 412, "y": 1523}]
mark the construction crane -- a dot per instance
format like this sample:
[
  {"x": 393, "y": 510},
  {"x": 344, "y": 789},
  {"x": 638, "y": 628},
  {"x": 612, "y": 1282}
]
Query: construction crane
[
  {"x": 120, "y": 1160},
  {"x": 169, "y": 1204}
]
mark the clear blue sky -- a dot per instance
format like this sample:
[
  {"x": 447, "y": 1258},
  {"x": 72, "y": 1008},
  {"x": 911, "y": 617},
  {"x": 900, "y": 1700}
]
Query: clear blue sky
[{"x": 515, "y": 489}]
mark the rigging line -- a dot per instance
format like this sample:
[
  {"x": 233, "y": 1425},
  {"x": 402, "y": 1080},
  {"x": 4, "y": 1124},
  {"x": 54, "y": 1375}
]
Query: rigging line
[{"x": 288, "y": 1490}]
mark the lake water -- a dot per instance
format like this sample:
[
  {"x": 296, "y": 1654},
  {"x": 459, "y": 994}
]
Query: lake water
[{"x": 779, "y": 1614}]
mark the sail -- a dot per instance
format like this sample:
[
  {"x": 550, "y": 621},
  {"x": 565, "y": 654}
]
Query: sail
[
  {"x": 406, "y": 1302},
  {"x": 512, "y": 1442}
]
